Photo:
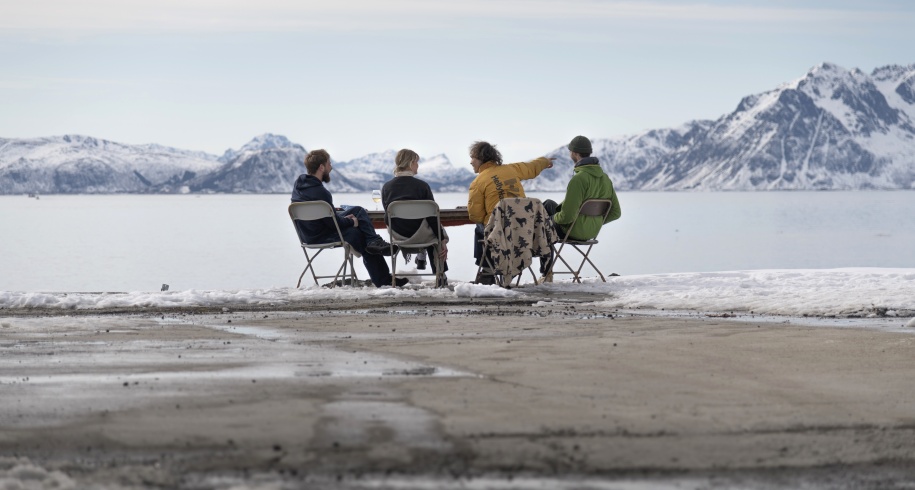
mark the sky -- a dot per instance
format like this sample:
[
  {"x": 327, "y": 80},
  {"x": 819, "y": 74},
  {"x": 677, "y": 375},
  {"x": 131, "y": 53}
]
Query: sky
[{"x": 363, "y": 76}]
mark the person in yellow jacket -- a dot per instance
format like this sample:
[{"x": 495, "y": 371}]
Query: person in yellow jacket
[{"x": 495, "y": 181}]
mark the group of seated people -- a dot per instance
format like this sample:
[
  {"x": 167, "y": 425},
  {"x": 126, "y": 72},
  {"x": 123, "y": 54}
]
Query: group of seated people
[{"x": 494, "y": 181}]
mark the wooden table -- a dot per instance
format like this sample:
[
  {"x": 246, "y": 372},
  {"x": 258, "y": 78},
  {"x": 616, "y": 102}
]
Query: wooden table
[{"x": 449, "y": 217}]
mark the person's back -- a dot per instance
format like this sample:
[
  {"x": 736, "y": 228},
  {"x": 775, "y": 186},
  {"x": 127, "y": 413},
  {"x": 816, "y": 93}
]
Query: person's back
[
  {"x": 588, "y": 182},
  {"x": 406, "y": 187},
  {"x": 495, "y": 181},
  {"x": 309, "y": 188}
]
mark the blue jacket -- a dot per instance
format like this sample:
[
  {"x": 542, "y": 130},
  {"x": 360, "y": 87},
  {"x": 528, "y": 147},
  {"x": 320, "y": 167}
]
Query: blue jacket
[{"x": 309, "y": 188}]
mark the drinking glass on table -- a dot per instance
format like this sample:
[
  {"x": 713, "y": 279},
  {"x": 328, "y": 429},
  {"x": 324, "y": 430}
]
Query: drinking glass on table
[{"x": 376, "y": 196}]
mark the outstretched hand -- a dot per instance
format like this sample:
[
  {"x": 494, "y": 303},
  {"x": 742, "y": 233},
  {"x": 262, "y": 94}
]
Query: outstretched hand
[{"x": 551, "y": 161}]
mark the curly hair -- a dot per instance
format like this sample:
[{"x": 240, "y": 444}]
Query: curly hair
[{"x": 485, "y": 152}]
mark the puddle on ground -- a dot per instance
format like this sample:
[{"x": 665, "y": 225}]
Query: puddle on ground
[{"x": 358, "y": 423}]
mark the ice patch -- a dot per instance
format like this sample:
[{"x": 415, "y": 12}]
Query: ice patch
[
  {"x": 21, "y": 474},
  {"x": 468, "y": 290}
]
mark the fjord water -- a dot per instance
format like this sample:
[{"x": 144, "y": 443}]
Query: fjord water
[{"x": 139, "y": 242}]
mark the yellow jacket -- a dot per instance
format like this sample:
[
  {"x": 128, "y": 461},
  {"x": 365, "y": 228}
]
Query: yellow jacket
[{"x": 495, "y": 182}]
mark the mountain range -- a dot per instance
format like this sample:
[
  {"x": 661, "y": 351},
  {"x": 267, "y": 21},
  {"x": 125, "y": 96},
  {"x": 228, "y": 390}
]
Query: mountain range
[{"x": 831, "y": 129}]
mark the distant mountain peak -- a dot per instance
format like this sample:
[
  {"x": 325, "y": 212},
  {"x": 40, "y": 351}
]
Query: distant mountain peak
[
  {"x": 827, "y": 67},
  {"x": 895, "y": 73},
  {"x": 266, "y": 141},
  {"x": 386, "y": 154}
]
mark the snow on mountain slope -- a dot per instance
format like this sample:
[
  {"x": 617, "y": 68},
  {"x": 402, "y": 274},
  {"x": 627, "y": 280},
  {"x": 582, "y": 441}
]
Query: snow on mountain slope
[
  {"x": 373, "y": 170},
  {"x": 832, "y": 128},
  {"x": 74, "y": 163},
  {"x": 266, "y": 141}
]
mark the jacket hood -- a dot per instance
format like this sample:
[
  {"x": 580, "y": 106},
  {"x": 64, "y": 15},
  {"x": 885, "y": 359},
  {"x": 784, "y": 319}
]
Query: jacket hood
[
  {"x": 592, "y": 168},
  {"x": 303, "y": 184},
  {"x": 587, "y": 161}
]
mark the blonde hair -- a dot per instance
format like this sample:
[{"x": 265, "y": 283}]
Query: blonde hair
[{"x": 404, "y": 159}]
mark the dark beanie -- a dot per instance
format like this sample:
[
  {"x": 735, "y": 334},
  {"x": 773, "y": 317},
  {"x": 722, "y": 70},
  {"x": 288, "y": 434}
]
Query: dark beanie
[{"x": 581, "y": 145}]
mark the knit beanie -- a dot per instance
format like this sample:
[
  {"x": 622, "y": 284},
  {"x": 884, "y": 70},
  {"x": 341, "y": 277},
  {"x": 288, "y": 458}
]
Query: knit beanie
[{"x": 581, "y": 145}]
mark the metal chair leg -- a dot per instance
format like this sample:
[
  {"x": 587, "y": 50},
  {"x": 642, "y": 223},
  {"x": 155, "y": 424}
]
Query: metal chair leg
[
  {"x": 341, "y": 271},
  {"x": 309, "y": 265},
  {"x": 587, "y": 258},
  {"x": 576, "y": 271}
]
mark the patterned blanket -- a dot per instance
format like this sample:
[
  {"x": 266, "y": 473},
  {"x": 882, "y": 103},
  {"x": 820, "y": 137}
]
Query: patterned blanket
[{"x": 518, "y": 229}]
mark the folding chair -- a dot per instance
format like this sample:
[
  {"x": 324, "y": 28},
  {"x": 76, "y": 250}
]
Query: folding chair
[
  {"x": 546, "y": 226},
  {"x": 419, "y": 241},
  {"x": 598, "y": 208},
  {"x": 313, "y": 211}
]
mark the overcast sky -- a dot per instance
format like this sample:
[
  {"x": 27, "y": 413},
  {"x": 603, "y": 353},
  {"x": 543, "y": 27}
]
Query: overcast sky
[{"x": 363, "y": 76}]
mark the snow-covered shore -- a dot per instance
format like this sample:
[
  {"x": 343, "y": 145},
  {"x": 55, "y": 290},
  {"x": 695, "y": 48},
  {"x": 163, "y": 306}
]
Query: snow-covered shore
[{"x": 852, "y": 292}]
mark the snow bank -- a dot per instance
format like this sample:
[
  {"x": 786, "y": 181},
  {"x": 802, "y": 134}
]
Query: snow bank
[{"x": 838, "y": 292}]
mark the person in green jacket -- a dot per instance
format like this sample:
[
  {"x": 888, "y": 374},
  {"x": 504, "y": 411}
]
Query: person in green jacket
[{"x": 589, "y": 182}]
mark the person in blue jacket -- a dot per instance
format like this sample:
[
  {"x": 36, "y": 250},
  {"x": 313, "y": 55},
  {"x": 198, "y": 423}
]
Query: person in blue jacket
[{"x": 354, "y": 222}]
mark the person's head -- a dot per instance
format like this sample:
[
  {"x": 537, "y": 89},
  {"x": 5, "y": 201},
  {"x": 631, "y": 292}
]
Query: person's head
[
  {"x": 406, "y": 160},
  {"x": 482, "y": 152},
  {"x": 317, "y": 163},
  {"x": 579, "y": 147}
]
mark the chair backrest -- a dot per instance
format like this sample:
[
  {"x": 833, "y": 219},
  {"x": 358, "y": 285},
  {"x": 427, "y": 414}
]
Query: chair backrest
[
  {"x": 516, "y": 216},
  {"x": 596, "y": 207},
  {"x": 310, "y": 210},
  {"x": 412, "y": 209}
]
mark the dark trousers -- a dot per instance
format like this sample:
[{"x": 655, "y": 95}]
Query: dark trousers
[
  {"x": 478, "y": 247},
  {"x": 551, "y": 208},
  {"x": 364, "y": 223},
  {"x": 430, "y": 258}
]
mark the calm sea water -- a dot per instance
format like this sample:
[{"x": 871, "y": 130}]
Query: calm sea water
[{"x": 139, "y": 242}]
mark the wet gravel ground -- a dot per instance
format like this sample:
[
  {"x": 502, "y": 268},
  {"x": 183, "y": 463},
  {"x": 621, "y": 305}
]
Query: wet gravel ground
[{"x": 520, "y": 394}]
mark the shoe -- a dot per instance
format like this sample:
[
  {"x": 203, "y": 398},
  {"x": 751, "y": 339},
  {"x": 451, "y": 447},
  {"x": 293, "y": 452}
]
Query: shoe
[
  {"x": 485, "y": 279},
  {"x": 380, "y": 247},
  {"x": 421, "y": 260},
  {"x": 546, "y": 278},
  {"x": 401, "y": 281}
]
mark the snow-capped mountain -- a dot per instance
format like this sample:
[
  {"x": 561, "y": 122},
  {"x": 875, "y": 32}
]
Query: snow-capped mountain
[
  {"x": 627, "y": 160},
  {"x": 830, "y": 129},
  {"x": 82, "y": 164},
  {"x": 372, "y": 171},
  {"x": 443, "y": 176},
  {"x": 266, "y": 141},
  {"x": 266, "y": 164}
]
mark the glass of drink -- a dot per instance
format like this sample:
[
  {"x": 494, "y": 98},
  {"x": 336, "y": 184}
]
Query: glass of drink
[{"x": 376, "y": 196}]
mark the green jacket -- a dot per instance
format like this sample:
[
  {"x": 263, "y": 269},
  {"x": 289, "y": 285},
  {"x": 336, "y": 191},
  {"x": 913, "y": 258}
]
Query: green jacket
[{"x": 589, "y": 182}]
